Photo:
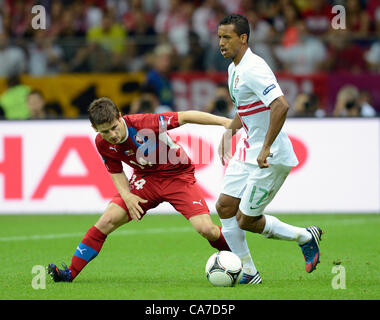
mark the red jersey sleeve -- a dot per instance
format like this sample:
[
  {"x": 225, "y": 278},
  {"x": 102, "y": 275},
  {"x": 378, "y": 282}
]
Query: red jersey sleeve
[
  {"x": 158, "y": 122},
  {"x": 167, "y": 121},
  {"x": 112, "y": 165}
]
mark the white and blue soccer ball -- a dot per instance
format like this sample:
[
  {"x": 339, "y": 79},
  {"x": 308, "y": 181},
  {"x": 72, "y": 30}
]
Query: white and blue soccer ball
[{"x": 224, "y": 269}]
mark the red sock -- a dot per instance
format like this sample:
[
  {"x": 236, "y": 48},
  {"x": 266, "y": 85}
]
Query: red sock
[
  {"x": 87, "y": 250},
  {"x": 220, "y": 243}
]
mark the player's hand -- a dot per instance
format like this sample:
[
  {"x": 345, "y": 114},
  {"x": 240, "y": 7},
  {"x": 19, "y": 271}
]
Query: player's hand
[
  {"x": 134, "y": 208},
  {"x": 262, "y": 158},
  {"x": 225, "y": 146},
  {"x": 227, "y": 123}
]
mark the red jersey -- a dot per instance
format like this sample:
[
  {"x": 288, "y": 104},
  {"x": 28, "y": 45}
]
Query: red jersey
[{"x": 148, "y": 148}]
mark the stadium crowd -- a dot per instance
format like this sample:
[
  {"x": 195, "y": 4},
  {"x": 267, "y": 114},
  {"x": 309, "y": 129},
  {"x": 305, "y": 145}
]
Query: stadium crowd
[{"x": 81, "y": 36}]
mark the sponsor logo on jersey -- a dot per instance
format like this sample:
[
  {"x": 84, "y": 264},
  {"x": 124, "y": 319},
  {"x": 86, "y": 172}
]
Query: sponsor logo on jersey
[
  {"x": 129, "y": 152},
  {"x": 162, "y": 122},
  {"x": 236, "y": 81},
  {"x": 139, "y": 139},
  {"x": 198, "y": 202},
  {"x": 268, "y": 88}
]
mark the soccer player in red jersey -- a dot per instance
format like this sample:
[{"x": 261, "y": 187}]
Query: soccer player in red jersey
[{"x": 162, "y": 172}]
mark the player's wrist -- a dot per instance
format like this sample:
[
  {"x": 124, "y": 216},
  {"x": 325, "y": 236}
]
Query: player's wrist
[{"x": 126, "y": 196}]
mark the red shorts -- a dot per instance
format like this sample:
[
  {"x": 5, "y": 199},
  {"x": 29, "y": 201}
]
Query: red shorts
[{"x": 181, "y": 192}]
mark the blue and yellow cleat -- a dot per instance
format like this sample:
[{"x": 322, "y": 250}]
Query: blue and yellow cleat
[
  {"x": 59, "y": 275},
  {"x": 310, "y": 249},
  {"x": 250, "y": 279}
]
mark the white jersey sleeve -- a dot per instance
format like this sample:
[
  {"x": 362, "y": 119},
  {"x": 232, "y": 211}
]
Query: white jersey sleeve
[{"x": 263, "y": 82}]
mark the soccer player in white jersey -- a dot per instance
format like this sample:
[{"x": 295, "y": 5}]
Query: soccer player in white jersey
[{"x": 264, "y": 155}]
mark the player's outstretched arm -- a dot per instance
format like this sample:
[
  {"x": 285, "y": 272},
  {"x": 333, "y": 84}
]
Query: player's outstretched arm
[
  {"x": 199, "y": 117},
  {"x": 224, "y": 149},
  {"x": 131, "y": 200}
]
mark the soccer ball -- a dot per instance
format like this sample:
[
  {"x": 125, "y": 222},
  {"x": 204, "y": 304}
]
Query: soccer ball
[{"x": 224, "y": 269}]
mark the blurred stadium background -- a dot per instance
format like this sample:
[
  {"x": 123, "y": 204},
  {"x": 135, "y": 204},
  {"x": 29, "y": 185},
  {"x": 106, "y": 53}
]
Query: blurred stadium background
[{"x": 162, "y": 55}]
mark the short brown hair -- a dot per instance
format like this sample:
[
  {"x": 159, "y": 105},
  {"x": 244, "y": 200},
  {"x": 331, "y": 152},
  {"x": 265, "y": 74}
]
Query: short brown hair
[{"x": 102, "y": 110}]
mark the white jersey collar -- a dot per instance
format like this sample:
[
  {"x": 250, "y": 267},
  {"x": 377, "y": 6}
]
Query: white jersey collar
[{"x": 126, "y": 130}]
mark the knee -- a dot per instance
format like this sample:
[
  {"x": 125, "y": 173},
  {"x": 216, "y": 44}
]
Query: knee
[
  {"x": 105, "y": 222},
  {"x": 224, "y": 209},
  {"x": 247, "y": 223}
]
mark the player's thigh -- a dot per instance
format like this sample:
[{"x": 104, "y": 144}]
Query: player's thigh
[
  {"x": 235, "y": 179},
  {"x": 186, "y": 197},
  {"x": 262, "y": 185},
  {"x": 113, "y": 217},
  {"x": 234, "y": 185}
]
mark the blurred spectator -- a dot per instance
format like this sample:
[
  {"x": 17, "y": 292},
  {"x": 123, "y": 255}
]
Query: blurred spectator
[
  {"x": 12, "y": 58},
  {"x": 348, "y": 104},
  {"x": 231, "y": 6},
  {"x": 135, "y": 14},
  {"x": 78, "y": 10},
  {"x": 175, "y": 23},
  {"x": 307, "y": 105},
  {"x": 44, "y": 56},
  {"x": 13, "y": 100},
  {"x": 69, "y": 38},
  {"x": 36, "y": 104},
  {"x": 214, "y": 61},
  {"x": 317, "y": 16},
  {"x": 305, "y": 55},
  {"x": 148, "y": 102},
  {"x": 205, "y": 21},
  {"x": 365, "y": 100},
  {"x": 343, "y": 54},
  {"x": 194, "y": 59},
  {"x": 357, "y": 18},
  {"x": 292, "y": 32},
  {"x": 372, "y": 57},
  {"x": 222, "y": 104},
  {"x": 142, "y": 36},
  {"x": 104, "y": 50},
  {"x": 119, "y": 8},
  {"x": 55, "y": 17},
  {"x": 20, "y": 17},
  {"x": 111, "y": 37},
  {"x": 261, "y": 39},
  {"x": 94, "y": 16},
  {"x": 158, "y": 75},
  {"x": 373, "y": 9}
]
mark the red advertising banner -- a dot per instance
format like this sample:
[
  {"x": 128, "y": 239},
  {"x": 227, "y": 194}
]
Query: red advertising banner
[{"x": 366, "y": 82}]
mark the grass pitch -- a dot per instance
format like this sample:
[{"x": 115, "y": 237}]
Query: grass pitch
[{"x": 162, "y": 258}]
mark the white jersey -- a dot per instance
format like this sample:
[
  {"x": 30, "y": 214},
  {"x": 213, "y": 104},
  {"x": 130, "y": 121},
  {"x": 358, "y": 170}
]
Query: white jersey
[{"x": 253, "y": 87}]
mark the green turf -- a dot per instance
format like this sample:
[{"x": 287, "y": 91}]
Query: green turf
[{"x": 161, "y": 257}]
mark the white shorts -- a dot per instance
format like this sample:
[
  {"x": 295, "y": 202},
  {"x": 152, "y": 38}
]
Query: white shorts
[{"x": 255, "y": 187}]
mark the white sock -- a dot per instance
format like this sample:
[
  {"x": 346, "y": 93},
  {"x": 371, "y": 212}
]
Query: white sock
[
  {"x": 276, "y": 229},
  {"x": 237, "y": 242}
]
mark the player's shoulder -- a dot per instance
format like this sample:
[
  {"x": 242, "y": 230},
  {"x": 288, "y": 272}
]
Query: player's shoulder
[
  {"x": 139, "y": 119},
  {"x": 253, "y": 60},
  {"x": 257, "y": 66}
]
